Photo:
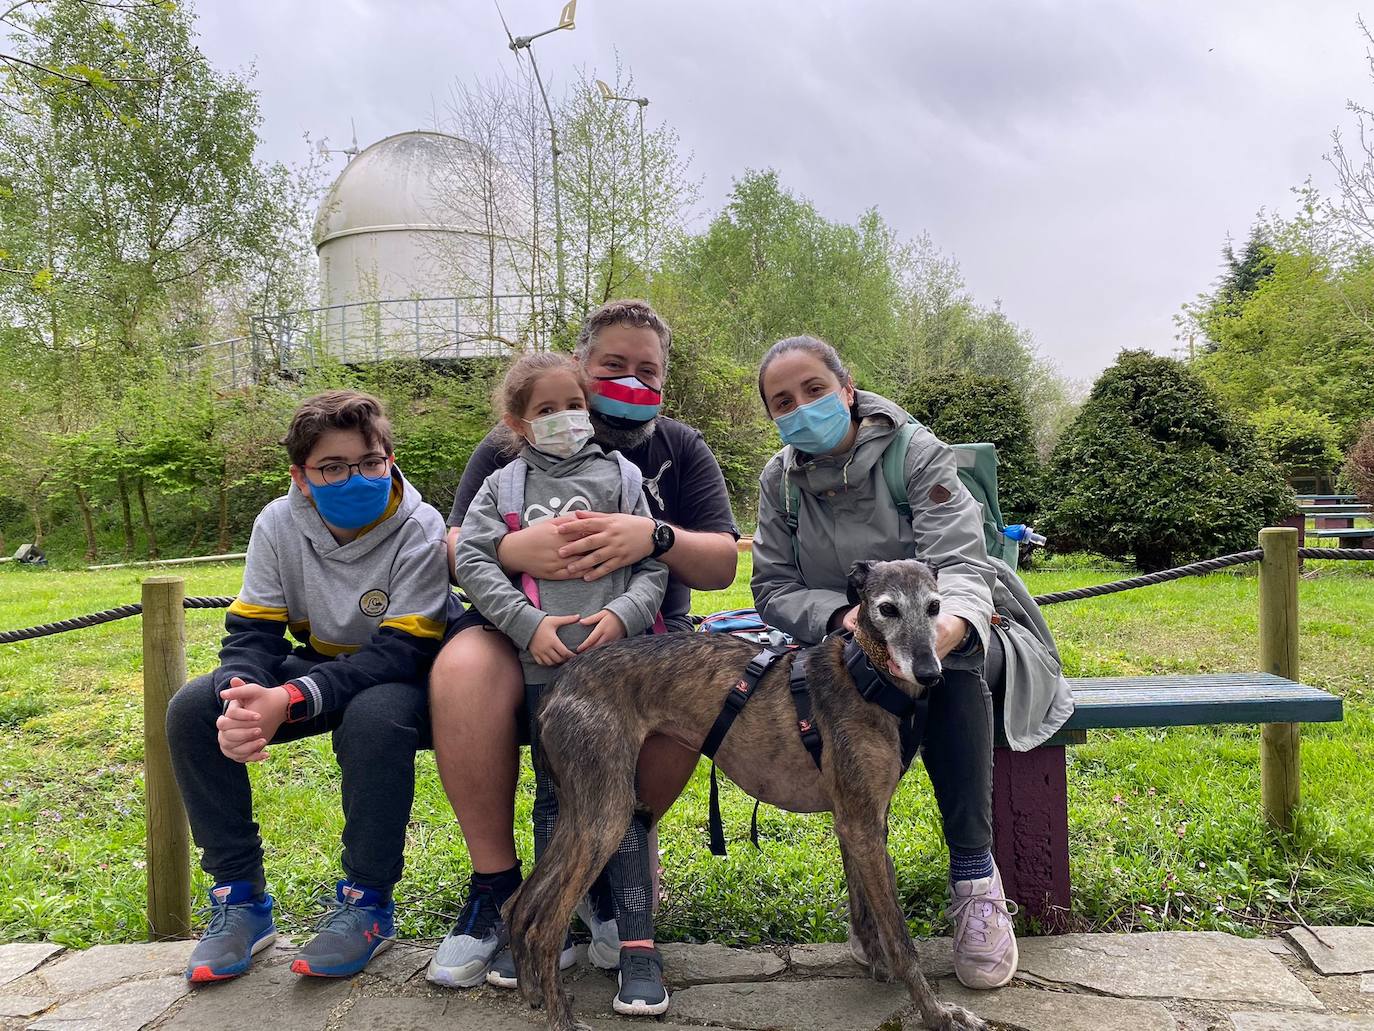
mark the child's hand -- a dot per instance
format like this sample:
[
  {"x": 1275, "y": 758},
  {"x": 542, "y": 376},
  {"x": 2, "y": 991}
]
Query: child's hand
[
  {"x": 545, "y": 645},
  {"x": 251, "y": 719},
  {"x": 608, "y": 628}
]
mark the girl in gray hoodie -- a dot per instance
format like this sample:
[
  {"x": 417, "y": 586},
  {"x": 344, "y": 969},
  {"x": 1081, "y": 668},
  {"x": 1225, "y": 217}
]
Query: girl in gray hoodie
[{"x": 560, "y": 470}]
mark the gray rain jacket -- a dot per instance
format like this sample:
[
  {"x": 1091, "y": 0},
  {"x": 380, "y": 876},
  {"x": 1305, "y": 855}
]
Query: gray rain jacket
[{"x": 846, "y": 515}]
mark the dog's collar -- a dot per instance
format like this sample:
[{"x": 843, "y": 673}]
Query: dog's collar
[{"x": 873, "y": 685}]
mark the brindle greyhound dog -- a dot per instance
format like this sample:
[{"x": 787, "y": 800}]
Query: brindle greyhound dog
[{"x": 603, "y": 704}]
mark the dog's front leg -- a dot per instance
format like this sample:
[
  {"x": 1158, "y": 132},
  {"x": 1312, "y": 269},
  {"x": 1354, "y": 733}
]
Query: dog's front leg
[{"x": 862, "y": 832}]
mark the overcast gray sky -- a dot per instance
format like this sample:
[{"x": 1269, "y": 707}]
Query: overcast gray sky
[{"x": 1084, "y": 161}]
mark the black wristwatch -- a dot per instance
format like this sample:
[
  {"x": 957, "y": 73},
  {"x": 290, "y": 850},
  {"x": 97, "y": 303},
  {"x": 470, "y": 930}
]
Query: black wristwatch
[{"x": 664, "y": 538}]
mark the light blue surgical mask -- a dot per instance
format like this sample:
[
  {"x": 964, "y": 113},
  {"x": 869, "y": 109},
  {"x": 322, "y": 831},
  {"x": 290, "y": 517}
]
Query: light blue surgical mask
[
  {"x": 816, "y": 427},
  {"x": 353, "y": 504}
]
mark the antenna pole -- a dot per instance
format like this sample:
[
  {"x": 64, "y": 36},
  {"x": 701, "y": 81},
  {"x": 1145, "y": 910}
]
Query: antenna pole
[{"x": 557, "y": 205}]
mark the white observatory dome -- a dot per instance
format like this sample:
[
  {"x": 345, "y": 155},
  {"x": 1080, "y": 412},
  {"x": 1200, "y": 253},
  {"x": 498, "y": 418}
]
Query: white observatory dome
[{"x": 404, "y": 238}]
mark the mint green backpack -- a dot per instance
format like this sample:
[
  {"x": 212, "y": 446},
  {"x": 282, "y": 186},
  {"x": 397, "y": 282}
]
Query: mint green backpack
[{"x": 977, "y": 468}]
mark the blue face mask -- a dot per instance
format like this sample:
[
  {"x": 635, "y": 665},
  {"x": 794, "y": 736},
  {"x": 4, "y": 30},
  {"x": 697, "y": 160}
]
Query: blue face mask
[
  {"x": 353, "y": 504},
  {"x": 815, "y": 428}
]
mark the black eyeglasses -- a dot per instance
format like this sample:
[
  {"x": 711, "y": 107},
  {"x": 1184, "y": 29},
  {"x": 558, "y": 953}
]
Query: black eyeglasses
[{"x": 335, "y": 473}]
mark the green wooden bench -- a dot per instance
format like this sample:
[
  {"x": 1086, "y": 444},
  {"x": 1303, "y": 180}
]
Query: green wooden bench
[{"x": 1030, "y": 791}]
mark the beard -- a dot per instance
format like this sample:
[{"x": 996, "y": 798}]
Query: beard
[{"x": 617, "y": 438}]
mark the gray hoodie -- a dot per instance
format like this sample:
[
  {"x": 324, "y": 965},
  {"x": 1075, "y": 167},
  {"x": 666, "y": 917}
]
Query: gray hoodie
[
  {"x": 590, "y": 479},
  {"x": 847, "y": 514},
  {"x": 372, "y": 610}
]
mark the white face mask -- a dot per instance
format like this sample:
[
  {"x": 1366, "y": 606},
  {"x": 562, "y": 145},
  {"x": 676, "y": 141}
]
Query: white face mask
[{"x": 561, "y": 434}]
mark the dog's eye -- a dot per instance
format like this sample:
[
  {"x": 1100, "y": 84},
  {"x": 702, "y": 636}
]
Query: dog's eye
[
  {"x": 933, "y": 609},
  {"x": 889, "y": 610}
]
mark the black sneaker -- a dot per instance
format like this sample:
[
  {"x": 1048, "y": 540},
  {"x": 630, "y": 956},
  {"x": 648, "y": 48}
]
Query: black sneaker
[
  {"x": 502, "y": 970},
  {"x": 465, "y": 954},
  {"x": 641, "y": 983}
]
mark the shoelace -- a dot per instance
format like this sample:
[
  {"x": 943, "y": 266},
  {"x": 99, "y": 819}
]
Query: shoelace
[
  {"x": 641, "y": 967},
  {"x": 968, "y": 919},
  {"x": 338, "y": 916},
  {"x": 479, "y": 915},
  {"x": 218, "y": 913}
]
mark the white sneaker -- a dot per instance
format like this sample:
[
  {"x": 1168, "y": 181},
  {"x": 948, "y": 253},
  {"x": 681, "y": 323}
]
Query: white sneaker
[
  {"x": 604, "y": 950},
  {"x": 465, "y": 954},
  {"x": 985, "y": 954}
]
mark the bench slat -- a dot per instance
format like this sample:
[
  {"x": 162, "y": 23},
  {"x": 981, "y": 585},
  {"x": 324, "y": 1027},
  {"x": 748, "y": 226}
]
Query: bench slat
[{"x": 1197, "y": 699}]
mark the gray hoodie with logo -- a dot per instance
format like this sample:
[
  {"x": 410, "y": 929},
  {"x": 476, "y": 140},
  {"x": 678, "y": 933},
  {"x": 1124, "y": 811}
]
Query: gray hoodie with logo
[
  {"x": 847, "y": 514},
  {"x": 370, "y": 611},
  {"x": 590, "y": 480}
]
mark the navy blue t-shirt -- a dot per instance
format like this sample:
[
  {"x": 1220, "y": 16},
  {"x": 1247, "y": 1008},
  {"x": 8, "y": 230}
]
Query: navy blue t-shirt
[{"x": 682, "y": 482}]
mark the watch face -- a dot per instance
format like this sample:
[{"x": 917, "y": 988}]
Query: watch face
[{"x": 663, "y": 537}]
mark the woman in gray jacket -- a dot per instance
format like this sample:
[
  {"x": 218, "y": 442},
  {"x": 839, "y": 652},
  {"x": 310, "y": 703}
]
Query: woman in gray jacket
[{"x": 835, "y": 437}]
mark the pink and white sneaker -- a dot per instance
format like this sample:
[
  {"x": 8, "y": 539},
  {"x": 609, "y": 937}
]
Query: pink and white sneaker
[{"x": 985, "y": 953}]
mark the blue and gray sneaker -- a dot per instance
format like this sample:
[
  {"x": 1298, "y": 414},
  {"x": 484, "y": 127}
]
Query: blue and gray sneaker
[
  {"x": 359, "y": 925},
  {"x": 502, "y": 970},
  {"x": 240, "y": 927},
  {"x": 604, "y": 948},
  {"x": 641, "y": 983},
  {"x": 478, "y": 934}
]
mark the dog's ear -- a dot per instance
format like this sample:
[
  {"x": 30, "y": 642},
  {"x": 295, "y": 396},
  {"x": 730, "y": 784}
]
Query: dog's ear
[{"x": 858, "y": 576}]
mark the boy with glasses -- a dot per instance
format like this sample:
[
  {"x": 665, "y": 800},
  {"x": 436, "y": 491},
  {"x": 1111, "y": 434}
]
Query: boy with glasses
[{"x": 352, "y": 563}]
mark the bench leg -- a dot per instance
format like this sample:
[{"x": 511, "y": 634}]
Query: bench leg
[{"x": 1030, "y": 819}]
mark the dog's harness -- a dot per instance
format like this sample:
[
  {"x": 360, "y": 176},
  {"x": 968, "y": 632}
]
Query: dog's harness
[{"x": 873, "y": 687}]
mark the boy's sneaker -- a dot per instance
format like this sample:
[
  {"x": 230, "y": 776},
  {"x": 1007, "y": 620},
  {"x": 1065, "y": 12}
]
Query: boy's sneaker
[
  {"x": 502, "y": 971},
  {"x": 357, "y": 927},
  {"x": 465, "y": 954},
  {"x": 604, "y": 948},
  {"x": 240, "y": 927},
  {"x": 985, "y": 954},
  {"x": 641, "y": 983}
]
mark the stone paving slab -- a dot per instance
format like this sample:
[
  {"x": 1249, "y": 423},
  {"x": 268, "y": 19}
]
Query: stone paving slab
[
  {"x": 840, "y": 1004},
  {"x": 268, "y": 997},
  {"x": 1300, "y": 1022},
  {"x": 24, "y": 1005},
  {"x": 835, "y": 959},
  {"x": 1203, "y": 965},
  {"x": 1039, "y": 1010},
  {"x": 686, "y": 965},
  {"x": 1335, "y": 950},
  {"x": 400, "y": 963},
  {"x": 18, "y": 959},
  {"x": 104, "y": 965},
  {"x": 1367, "y": 983},
  {"x": 124, "y": 1007}
]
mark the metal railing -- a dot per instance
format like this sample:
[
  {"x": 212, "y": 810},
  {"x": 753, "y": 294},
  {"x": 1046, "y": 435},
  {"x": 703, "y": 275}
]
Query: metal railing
[{"x": 424, "y": 328}]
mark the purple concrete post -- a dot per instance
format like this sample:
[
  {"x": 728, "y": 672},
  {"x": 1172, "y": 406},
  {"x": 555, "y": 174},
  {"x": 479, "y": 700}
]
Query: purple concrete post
[{"x": 1030, "y": 819}]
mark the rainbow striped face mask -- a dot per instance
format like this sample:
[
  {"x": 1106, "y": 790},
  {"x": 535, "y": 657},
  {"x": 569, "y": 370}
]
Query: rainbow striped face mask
[{"x": 625, "y": 402}]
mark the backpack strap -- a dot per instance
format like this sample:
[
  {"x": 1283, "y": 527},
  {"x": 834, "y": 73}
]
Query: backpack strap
[
  {"x": 801, "y": 701},
  {"x": 510, "y": 499},
  {"x": 894, "y": 466}
]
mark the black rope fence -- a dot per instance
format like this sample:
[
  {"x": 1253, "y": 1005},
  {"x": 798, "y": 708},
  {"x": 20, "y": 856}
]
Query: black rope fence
[
  {"x": 1210, "y": 565},
  {"x": 105, "y": 616}
]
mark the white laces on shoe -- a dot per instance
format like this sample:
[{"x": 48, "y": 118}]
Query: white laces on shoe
[{"x": 974, "y": 914}]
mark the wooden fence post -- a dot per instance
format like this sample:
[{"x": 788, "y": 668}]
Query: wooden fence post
[
  {"x": 1280, "y": 757},
  {"x": 168, "y": 836}
]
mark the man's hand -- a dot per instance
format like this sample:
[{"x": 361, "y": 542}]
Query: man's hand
[
  {"x": 546, "y": 646},
  {"x": 599, "y": 543},
  {"x": 535, "y": 550},
  {"x": 949, "y": 632},
  {"x": 851, "y": 620},
  {"x": 608, "y": 628},
  {"x": 251, "y": 719}
]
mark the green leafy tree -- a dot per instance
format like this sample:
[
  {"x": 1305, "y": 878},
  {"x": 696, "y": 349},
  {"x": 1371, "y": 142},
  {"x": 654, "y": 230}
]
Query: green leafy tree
[
  {"x": 1298, "y": 440},
  {"x": 968, "y": 408},
  {"x": 1155, "y": 468}
]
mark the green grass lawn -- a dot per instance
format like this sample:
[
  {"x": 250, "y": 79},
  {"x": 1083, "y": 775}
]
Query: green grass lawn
[{"x": 1166, "y": 828}]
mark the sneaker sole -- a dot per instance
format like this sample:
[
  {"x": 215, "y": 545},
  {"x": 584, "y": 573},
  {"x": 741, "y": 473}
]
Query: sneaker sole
[
  {"x": 303, "y": 967},
  {"x": 567, "y": 959},
  {"x": 464, "y": 975},
  {"x": 639, "y": 1008},
  {"x": 205, "y": 974}
]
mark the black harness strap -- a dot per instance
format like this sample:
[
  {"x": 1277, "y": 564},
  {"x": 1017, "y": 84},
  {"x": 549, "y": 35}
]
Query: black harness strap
[
  {"x": 801, "y": 701},
  {"x": 735, "y": 702},
  {"x": 873, "y": 685}
]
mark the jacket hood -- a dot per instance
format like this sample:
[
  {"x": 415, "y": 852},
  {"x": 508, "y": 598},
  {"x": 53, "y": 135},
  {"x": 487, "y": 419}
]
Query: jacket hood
[
  {"x": 879, "y": 419},
  {"x": 405, "y": 499},
  {"x": 551, "y": 465}
]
